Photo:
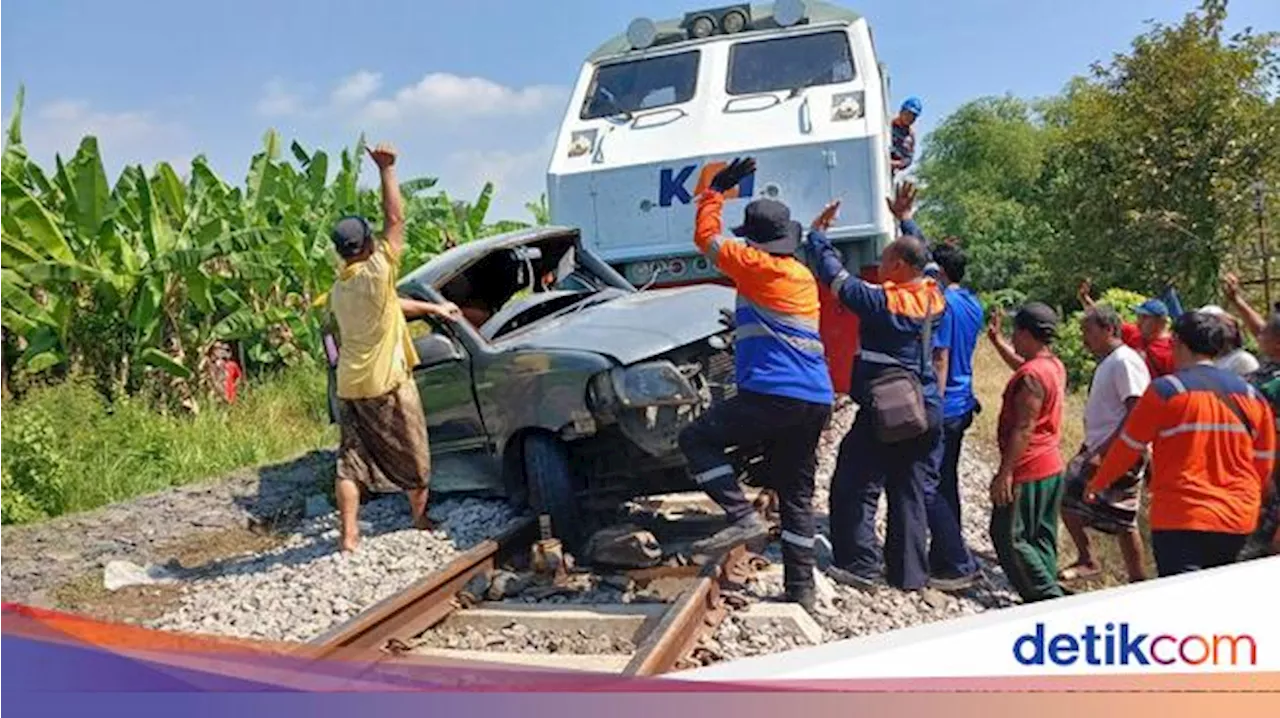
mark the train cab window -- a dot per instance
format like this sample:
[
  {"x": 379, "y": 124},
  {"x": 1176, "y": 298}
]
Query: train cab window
[
  {"x": 643, "y": 84},
  {"x": 789, "y": 63}
]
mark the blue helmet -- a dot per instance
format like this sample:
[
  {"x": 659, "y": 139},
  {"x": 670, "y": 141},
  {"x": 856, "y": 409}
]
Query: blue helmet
[{"x": 914, "y": 106}]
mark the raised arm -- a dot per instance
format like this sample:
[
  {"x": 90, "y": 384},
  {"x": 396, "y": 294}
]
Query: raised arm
[
  {"x": 384, "y": 156},
  {"x": 1082, "y": 294},
  {"x": 825, "y": 263},
  {"x": 1253, "y": 321},
  {"x": 1003, "y": 347}
]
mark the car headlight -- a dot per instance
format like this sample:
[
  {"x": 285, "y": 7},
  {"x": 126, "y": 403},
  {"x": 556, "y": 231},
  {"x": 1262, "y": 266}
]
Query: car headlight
[{"x": 657, "y": 383}]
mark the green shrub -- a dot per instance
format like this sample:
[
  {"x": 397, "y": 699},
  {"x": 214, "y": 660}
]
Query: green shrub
[
  {"x": 66, "y": 449},
  {"x": 35, "y": 470}
]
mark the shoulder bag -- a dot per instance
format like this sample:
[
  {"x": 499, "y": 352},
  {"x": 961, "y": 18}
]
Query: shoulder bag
[{"x": 897, "y": 394}]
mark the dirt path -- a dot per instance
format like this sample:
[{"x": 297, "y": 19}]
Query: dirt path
[{"x": 53, "y": 563}]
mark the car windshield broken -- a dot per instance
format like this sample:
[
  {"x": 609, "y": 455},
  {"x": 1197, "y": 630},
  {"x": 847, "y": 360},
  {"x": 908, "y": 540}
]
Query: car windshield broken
[{"x": 513, "y": 288}]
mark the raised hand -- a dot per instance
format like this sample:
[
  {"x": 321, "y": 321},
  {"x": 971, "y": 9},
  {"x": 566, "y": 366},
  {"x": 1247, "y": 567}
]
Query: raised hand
[
  {"x": 729, "y": 177},
  {"x": 1231, "y": 287},
  {"x": 827, "y": 216},
  {"x": 903, "y": 203},
  {"x": 995, "y": 326},
  {"x": 384, "y": 155}
]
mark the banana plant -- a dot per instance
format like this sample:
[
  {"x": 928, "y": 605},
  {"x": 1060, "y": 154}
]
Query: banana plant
[{"x": 151, "y": 271}]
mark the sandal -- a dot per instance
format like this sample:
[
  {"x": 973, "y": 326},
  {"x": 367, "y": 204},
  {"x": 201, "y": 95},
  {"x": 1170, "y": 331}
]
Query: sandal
[{"x": 1079, "y": 571}]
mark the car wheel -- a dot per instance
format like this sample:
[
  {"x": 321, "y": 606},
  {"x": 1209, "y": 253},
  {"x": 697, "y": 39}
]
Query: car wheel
[{"x": 552, "y": 489}]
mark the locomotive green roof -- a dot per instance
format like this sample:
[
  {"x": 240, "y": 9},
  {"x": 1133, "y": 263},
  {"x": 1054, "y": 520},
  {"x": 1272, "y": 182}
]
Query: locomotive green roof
[{"x": 761, "y": 15}]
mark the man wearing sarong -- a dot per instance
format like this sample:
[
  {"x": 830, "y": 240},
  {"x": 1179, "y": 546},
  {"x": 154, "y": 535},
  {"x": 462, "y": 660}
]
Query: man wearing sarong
[
  {"x": 1120, "y": 379},
  {"x": 384, "y": 430}
]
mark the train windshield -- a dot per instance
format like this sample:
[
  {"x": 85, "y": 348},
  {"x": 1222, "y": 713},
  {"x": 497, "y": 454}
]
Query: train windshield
[
  {"x": 789, "y": 63},
  {"x": 628, "y": 87}
]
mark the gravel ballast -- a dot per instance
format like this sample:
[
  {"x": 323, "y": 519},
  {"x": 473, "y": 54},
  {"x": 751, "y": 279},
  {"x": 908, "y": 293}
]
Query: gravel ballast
[
  {"x": 852, "y": 612},
  {"x": 305, "y": 586},
  {"x": 516, "y": 638},
  {"x": 301, "y": 586}
]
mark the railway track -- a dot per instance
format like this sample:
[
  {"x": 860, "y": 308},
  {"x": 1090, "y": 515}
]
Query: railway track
[{"x": 665, "y": 636}]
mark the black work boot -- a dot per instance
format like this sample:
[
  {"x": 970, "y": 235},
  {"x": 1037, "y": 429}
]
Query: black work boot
[
  {"x": 806, "y": 596},
  {"x": 751, "y": 528}
]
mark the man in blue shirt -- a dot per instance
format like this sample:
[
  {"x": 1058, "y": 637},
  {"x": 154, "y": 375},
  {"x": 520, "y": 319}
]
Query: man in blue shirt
[{"x": 951, "y": 566}]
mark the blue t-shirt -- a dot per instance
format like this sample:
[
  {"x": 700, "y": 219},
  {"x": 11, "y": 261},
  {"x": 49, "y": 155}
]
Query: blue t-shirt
[{"x": 961, "y": 327}]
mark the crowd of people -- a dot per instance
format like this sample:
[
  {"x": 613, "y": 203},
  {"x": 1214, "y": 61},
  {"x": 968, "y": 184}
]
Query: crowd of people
[{"x": 1176, "y": 406}]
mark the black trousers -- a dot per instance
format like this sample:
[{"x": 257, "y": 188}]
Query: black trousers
[
  {"x": 865, "y": 469},
  {"x": 1183, "y": 551},
  {"x": 787, "y": 431}
]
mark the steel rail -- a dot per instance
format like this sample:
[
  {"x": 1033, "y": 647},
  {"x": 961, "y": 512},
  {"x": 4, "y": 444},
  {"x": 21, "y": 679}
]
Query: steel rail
[
  {"x": 425, "y": 603},
  {"x": 696, "y": 611}
]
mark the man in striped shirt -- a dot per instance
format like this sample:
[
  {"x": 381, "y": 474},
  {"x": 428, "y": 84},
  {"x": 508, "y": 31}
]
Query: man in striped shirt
[{"x": 1213, "y": 450}]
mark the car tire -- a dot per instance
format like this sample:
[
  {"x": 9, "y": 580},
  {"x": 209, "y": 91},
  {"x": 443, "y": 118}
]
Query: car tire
[{"x": 552, "y": 488}]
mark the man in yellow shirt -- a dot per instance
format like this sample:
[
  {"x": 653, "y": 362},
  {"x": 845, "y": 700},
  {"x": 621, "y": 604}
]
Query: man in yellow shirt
[{"x": 384, "y": 430}]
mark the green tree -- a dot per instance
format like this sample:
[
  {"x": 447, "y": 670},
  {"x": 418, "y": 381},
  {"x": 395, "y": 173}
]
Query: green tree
[
  {"x": 981, "y": 171},
  {"x": 1148, "y": 180}
]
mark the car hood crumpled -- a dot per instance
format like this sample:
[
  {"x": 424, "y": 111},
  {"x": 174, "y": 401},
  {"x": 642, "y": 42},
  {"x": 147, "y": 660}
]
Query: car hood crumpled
[{"x": 636, "y": 326}]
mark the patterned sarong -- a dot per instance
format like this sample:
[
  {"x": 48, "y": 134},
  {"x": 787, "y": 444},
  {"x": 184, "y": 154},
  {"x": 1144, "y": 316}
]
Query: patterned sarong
[
  {"x": 384, "y": 441},
  {"x": 1116, "y": 510}
]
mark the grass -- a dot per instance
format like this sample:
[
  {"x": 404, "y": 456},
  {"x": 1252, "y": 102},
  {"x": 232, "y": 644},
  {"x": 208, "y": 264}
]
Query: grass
[
  {"x": 990, "y": 374},
  {"x": 66, "y": 450}
]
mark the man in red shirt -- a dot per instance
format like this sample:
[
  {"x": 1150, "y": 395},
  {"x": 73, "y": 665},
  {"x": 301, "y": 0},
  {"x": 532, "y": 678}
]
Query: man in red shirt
[
  {"x": 1027, "y": 489},
  {"x": 1150, "y": 335}
]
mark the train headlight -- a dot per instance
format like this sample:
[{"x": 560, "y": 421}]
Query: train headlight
[
  {"x": 581, "y": 143},
  {"x": 789, "y": 12},
  {"x": 733, "y": 21},
  {"x": 641, "y": 33},
  {"x": 847, "y": 106},
  {"x": 701, "y": 26}
]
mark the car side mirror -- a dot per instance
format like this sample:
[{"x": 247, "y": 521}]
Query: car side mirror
[{"x": 436, "y": 348}]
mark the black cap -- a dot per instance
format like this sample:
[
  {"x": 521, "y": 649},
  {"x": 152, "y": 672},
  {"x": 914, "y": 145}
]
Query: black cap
[
  {"x": 1039, "y": 319},
  {"x": 767, "y": 224},
  {"x": 350, "y": 235}
]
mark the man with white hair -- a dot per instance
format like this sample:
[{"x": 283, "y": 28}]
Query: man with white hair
[{"x": 1236, "y": 359}]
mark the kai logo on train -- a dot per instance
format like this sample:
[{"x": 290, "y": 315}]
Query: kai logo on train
[{"x": 673, "y": 183}]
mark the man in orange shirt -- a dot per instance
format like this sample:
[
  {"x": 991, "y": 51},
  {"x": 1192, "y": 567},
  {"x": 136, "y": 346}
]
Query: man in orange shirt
[
  {"x": 1027, "y": 489},
  {"x": 1213, "y": 450},
  {"x": 784, "y": 389}
]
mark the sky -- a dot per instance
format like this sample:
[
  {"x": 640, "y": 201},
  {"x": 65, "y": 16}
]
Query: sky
[{"x": 467, "y": 91}]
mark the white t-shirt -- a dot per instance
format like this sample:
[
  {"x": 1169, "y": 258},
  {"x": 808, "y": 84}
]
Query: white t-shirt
[
  {"x": 1123, "y": 374},
  {"x": 1238, "y": 362}
]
